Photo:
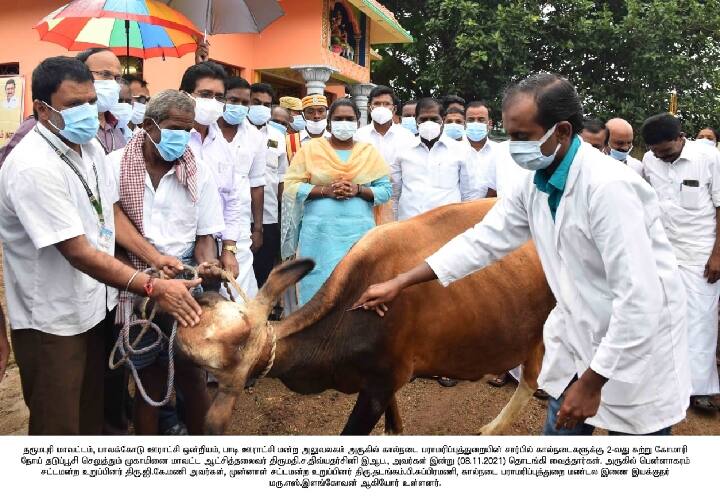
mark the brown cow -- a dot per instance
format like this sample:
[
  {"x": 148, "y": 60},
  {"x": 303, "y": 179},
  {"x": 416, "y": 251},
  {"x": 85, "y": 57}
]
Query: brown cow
[{"x": 487, "y": 323}]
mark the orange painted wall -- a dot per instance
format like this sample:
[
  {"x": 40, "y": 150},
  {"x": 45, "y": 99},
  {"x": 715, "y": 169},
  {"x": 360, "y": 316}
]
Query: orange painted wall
[{"x": 294, "y": 39}]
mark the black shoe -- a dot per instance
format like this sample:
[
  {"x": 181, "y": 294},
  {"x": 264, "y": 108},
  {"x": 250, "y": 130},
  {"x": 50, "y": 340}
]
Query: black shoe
[{"x": 447, "y": 382}]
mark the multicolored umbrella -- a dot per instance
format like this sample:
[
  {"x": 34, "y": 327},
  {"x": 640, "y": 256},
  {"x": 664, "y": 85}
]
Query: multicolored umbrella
[{"x": 139, "y": 28}]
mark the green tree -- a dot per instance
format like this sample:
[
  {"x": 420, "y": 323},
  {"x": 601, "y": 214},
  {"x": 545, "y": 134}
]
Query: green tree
[{"x": 624, "y": 57}]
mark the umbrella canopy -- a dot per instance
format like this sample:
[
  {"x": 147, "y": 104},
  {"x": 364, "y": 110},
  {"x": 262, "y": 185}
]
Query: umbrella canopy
[
  {"x": 146, "y": 29},
  {"x": 229, "y": 16}
]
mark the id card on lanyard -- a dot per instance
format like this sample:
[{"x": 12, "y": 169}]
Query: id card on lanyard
[{"x": 105, "y": 234}]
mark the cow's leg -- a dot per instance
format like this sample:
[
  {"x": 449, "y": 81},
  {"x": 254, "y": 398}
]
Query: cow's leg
[
  {"x": 370, "y": 405},
  {"x": 393, "y": 421},
  {"x": 218, "y": 416},
  {"x": 526, "y": 387}
]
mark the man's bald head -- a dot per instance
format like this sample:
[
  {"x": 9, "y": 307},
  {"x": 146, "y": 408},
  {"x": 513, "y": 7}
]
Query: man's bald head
[{"x": 620, "y": 134}]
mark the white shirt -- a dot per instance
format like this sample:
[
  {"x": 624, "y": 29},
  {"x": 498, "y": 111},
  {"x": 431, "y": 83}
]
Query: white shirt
[
  {"x": 635, "y": 165},
  {"x": 223, "y": 162},
  {"x": 688, "y": 212},
  {"x": 250, "y": 149},
  {"x": 43, "y": 202},
  {"x": 620, "y": 301},
  {"x": 396, "y": 138},
  {"x": 276, "y": 162},
  {"x": 171, "y": 221},
  {"x": 479, "y": 163},
  {"x": 424, "y": 179},
  {"x": 503, "y": 173},
  {"x": 305, "y": 136},
  {"x": 10, "y": 103}
]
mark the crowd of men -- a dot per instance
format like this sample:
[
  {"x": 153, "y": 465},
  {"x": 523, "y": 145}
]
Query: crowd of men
[{"x": 106, "y": 180}]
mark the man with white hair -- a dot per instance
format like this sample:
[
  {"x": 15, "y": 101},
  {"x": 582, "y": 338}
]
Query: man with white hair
[
  {"x": 619, "y": 143},
  {"x": 172, "y": 199}
]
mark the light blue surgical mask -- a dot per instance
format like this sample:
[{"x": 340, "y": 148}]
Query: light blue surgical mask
[
  {"x": 277, "y": 126},
  {"x": 299, "y": 123},
  {"x": 410, "y": 124},
  {"x": 81, "y": 123},
  {"x": 343, "y": 130},
  {"x": 122, "y": 112},
  {"x": 706, "y": 141},
  {"x": 108, "y": 94},
  {"x": 173, "y": 143},
  {"x": 235, "y": 114},
  {"x": 454, "y": 131},
  {"x": 259, "y": 114},
  {"x": 527, "y": 154},
  {"x": 619, "y": 154},
  {"x": 476, "y": 131}
]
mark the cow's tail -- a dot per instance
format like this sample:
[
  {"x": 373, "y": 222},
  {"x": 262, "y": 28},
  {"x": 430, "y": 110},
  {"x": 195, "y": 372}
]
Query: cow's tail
[{"x": 523, "y": 393}]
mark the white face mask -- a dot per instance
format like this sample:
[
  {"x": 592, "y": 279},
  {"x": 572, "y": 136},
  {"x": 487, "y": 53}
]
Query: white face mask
[
  {"x": 527, "y": 154},
  {"x": 108, "y": 94},
  {"x": 429, "y": 130},
  {"x": 343, "y": 130},
  {"x": 316, "y": 127},
  {"x": 208, "y": 110},
  {"x": 138, "y": 113},
  {"x": 122, "y": 112},
  {"x": 381, "y": 115},
  {"x": 706, "y": 141}
]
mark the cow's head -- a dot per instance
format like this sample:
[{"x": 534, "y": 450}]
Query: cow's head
[{"x": 230, "y": 339}]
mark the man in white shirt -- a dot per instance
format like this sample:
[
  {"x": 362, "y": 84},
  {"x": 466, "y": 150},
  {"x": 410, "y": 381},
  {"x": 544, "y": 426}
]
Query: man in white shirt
[
  {"x": 276, "y": 163},
  {"x": 171, "y": 198},
  {"x": 617, "y": 356},
  {"x": 314, "y": 114},
  {"x": 686, "y": 178},
  {"x": 619, "y": 143},
  {"x": 382, "y": 132},
  {"x": 205, "y": 82},
  {"x": 10, "y": 101},
  {"x": 431, "y": 170},
  {"x": 58, "y": 228},
  {"x": 482, "y": 149}
]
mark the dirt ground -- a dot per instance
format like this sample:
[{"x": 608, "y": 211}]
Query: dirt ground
[{"x": 426, "y": 409}]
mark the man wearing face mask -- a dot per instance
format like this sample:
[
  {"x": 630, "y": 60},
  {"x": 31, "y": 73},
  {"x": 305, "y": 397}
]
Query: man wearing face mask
[
  {"x": 205, "y": 83},
  {"x": 276, "y": 163},
  {"x": 615, "y": 344},
  {"x": 247, "y": 142},
  {"x": 293, "y": 106},
  {"x": 171, "y": 198},
  {"x": 482, "y": 149},
  {"x": 315, "y": 110},
  {"x": 686, "y": 177},
  {"x": 106, "y": 69},
  {"x": 407, "y": 117},
  {"x": 454, "y": 124},
  {"x": 59, "y": 226},
  {"x": 619, "y": 143},
  {"x": 140, "y": 96},
  {"x": 382, "y": 132},
  {"x": 431, "y": 170},
  {"x": 122, "y": 110}
]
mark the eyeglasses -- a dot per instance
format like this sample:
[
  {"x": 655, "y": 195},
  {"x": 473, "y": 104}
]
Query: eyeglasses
[
  {"x": 210, "y": 95},
  {"x": 107, "y": 75},
  {"x": 141, "y": 99}
]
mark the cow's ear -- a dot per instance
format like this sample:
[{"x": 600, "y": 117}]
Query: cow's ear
[{"x": 282, "y": 277}]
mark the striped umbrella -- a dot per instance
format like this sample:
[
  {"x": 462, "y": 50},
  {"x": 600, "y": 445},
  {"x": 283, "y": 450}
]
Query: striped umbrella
[{"x": 139, "y": 28}]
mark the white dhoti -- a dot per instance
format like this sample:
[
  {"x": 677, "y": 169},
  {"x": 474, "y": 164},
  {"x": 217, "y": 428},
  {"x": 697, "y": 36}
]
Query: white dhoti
[
  {"x": 246, "y": 276},
  {"x": 702, "y": 329}
]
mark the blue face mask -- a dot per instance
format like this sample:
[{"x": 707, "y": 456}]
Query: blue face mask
[
  {"x": 173, "y": 143},
  {"x": 81, "y": 123},
  {"x": 476, "y": 131},
  {"x": 410, "y": 124},
  {"x": 454, "y": 131},
  {"x": 619, "y": 154},
  {"x": 527, "y": 154},
  {"x": 235, "y": 114},
  {"x": 108, "y": 94},
  {"x": 259, "y": 114},
  {"x": 299, "y": 123},
  {"x": 278, "y": 126}
]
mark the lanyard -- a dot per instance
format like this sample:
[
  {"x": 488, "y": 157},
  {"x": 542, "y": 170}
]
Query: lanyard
[{"x": 96, "y": 202}]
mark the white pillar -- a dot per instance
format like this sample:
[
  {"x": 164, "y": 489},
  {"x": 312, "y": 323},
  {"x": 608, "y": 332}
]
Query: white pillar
[
  {"x": 360, "y": 96},
  {"x": 315, "y": 77}
]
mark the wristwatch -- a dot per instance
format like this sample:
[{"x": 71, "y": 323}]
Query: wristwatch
[{"x": 231, "y": 248}]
